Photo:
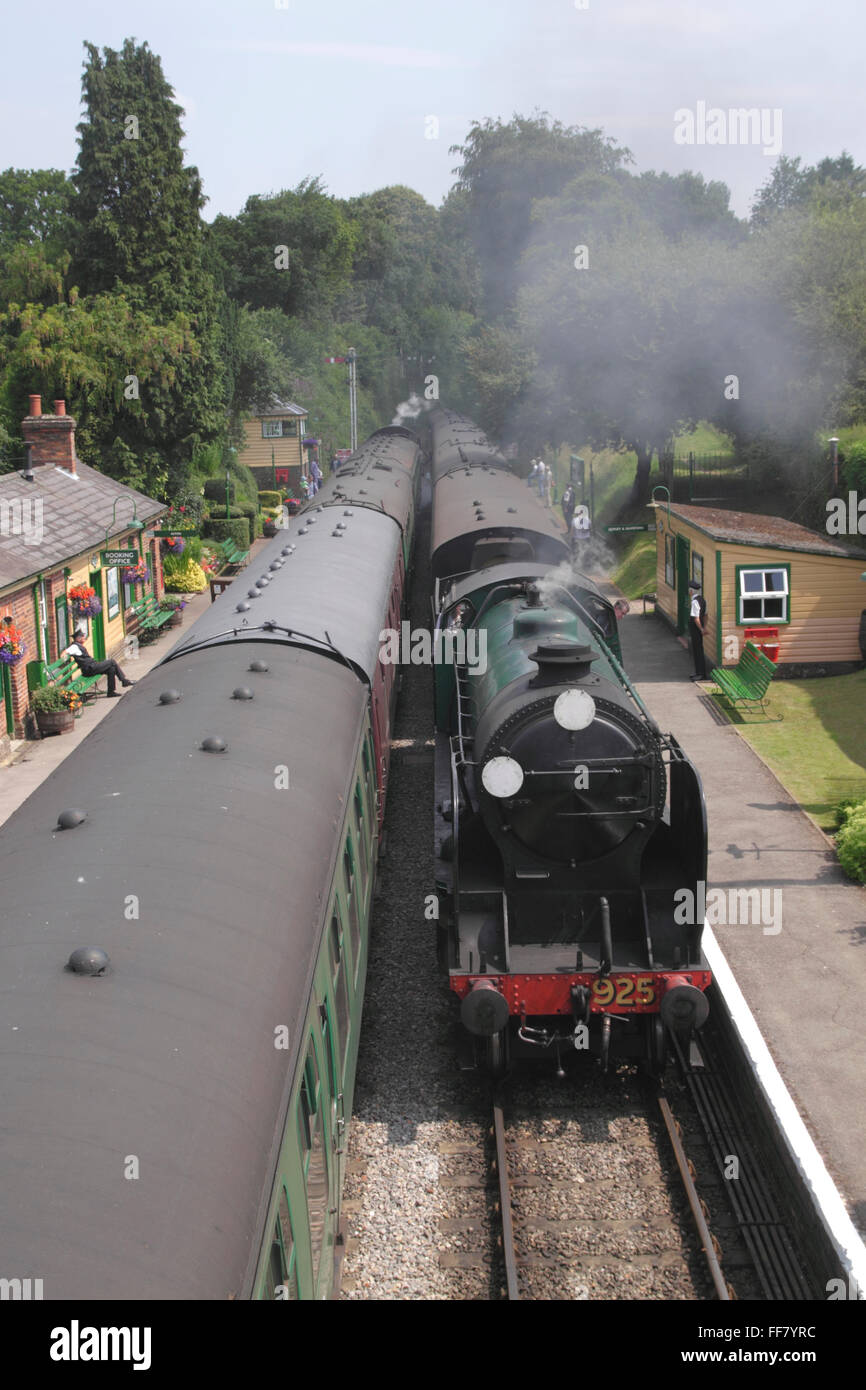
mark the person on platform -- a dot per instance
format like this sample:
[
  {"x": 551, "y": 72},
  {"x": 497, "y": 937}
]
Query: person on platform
[
  {"x": 697, "y": 629},
  {"x": 569, "y": 499},
  {"x": 89, "y": 667},
  {"x": 541, "y": 479},
  {"x": 532, "y": 476}
]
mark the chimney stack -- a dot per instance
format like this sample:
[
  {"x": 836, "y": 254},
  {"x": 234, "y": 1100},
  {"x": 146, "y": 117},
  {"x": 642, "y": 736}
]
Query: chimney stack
[{"x": 51, "y": 437}]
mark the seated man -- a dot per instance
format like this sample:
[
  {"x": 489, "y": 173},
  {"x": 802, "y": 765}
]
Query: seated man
[{"x": 89, "y": 667}]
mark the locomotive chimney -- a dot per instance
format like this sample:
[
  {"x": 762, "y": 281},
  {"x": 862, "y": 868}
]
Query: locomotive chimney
[{"x": 561, "y": 661}]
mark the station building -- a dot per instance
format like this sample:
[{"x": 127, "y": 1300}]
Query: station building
[
  {"x": 57, "y": 517},
  {"x": 273, "y": 447},
  {"x": 764, "y": 579}
]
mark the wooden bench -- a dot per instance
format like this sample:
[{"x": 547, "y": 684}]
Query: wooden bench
[
  {"x": 66, "y": 673},
  {"x": 749, "y": 680},
  {"x": 231, "y": 556},
  {"x": 150, "y": 618},
  {"x": 649, "y": 598}
]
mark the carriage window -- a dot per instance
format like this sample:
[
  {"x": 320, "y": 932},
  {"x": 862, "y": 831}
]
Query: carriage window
[
  {"x": 312, "y": 1129},
  {"x": 362, "y": 844},
  {"x": 282, "y": 1278},
  {"x": 354, "y": 921},
  {"x": 341, "y": 984}
]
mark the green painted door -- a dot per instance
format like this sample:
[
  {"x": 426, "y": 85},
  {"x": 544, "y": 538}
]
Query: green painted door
[
  {"x": 97, "y": 624},
  {"x": 683, "y": 549},
  {"x": 7, "y": 699}
]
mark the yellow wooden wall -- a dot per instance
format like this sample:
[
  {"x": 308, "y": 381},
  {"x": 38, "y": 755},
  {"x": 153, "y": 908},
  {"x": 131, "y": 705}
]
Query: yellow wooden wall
[
  {"x": 827, "y": 597},
  {"x": 256, "y": 452}
]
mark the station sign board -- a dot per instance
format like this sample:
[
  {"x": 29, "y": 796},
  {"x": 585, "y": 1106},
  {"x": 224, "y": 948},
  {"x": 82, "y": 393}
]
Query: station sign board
[{"x": 120, "y": 557}]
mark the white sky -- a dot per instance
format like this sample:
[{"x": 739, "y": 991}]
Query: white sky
[{"x": 343, "y": 90}]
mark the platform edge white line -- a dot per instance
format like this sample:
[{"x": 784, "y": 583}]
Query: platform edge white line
[{"x": 809, "y": 1163}]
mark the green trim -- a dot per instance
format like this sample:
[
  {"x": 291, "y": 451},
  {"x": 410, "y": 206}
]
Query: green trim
[
  {"x": 718, "y": 608},
  {"x": 760, "y": 622}
]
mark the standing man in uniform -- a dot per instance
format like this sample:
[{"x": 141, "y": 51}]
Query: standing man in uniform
[
  {"x": 569, "y": 498},
  {"x": 697, "y": 628}
]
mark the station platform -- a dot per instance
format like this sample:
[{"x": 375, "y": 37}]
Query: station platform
[
  {"x": 32, "y": 760},
  {"x": 805, "y": 983}
]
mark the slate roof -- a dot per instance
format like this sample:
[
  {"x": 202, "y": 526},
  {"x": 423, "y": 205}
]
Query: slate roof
[
  {"x": 748, "y": 528},
  {"x": 75, "y": 514},
  {"x": 278, "y": 407}
]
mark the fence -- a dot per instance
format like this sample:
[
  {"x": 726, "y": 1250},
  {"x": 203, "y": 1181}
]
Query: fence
[{"x": 705, "y": 478}]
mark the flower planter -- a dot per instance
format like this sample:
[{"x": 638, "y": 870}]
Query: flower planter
[
  {"x": 55, "y": 721},
  {"x": 269, "y": 529},
  {"x": 176, "y": 619}
]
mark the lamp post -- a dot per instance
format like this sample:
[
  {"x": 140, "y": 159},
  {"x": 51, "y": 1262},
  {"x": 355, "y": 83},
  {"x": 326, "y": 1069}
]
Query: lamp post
[{"x": 834, "y": 440}]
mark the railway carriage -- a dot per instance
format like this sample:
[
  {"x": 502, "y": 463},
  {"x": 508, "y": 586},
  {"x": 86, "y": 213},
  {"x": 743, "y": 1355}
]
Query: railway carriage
[{"x": 183, "y": 954}]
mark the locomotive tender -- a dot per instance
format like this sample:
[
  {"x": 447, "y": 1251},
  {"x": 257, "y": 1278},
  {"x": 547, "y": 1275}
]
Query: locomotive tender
[
  {"x": 565, "y": 822},
  {"x": 172, "y": 1125}
]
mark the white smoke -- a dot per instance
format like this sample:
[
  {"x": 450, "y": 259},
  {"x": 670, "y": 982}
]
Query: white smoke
[
  {"x": 411, "y": 409},
  {"x": 594, "y": 559}
]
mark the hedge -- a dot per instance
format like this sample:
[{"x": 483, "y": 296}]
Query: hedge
[
  {"x": 215, "y": 490},
  {"x": 237, "y": 530},
  {"x": 270, "y": 499}
]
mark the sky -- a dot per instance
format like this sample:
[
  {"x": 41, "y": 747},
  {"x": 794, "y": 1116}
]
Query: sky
[{"x": 367, "y": 95}]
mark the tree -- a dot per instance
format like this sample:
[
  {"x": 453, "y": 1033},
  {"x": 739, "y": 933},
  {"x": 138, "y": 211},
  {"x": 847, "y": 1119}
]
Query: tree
[
  {"x": 504, "y": 170},
  {"x": 291, "y": 251},
  {"x": 790, "y": 186},
  {"x": 34, "y": 208},
  {"x": 139, "y": 236}
]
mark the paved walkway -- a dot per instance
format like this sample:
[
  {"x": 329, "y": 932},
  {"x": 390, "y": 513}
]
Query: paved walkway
[
  {"x": 806, "y": 983},
  {"x": 35, "y": 759}
]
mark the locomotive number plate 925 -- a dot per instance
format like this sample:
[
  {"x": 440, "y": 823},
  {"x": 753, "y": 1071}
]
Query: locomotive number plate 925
[{"x": 623, "y": 990}]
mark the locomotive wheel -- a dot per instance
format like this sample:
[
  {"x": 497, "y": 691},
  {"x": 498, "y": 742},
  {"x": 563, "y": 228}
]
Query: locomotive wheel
[
  {"x": 656, "y": 1055},
  {"x": 496, "y": 1054}
]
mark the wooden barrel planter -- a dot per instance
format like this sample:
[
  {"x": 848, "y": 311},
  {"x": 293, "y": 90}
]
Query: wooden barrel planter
[
  {"x": 55, "y": 721},
  {"x": 176, "y": 618}
]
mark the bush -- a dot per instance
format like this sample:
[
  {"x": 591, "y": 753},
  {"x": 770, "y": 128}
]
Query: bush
[
  {"x": 215, "y": 490},
  {"x": 51, "y": 699},
  {"x": 189, "y": 578},
  {"x": 854, "y": 467},
  {"x": 218, "y": 512},
  {"x": 246, "y": 487},
  {"x": 237, "y": 530},
  {"x": 851, "y": 842},
  {"x": 268, "y": 500}
]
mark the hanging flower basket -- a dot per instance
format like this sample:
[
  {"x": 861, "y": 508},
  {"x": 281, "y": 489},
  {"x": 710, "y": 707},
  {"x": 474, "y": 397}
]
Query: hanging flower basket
[
  {"x": 12, "y": 644},
  {"x": 135, "y": 574},
  {"x": 174, "y": 545},
  {"x": 85, "y": 603}
]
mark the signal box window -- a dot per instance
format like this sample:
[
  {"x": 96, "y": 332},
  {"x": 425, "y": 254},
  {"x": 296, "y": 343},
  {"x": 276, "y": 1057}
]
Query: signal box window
[{"x": 763, "y": 595}]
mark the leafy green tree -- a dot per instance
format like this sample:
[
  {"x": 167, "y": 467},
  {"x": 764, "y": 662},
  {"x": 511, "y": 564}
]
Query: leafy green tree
[
  {"x": 831, "y": 180},
  {"x": 290, "y": 251},
  {"x": 139, "y": 238},
  {"x": 507, "y": 167},
  {"x": 34, "y": 208}
]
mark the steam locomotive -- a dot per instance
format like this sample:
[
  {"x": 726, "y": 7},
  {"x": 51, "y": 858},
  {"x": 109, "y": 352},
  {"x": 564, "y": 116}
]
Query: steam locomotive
[{"x": 565, "y": 820}]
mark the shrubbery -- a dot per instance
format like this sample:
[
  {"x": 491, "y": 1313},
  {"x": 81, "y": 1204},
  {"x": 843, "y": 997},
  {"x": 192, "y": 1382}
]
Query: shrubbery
[
  {"x": 215, "y": 490},
  {"x": 854, "y": 467},
  {"x": 268, "y": 499},
  {"x": 237, "y": 530},
  {"x": 184, "y": 576},
  {"x": 851, "y": 839}
]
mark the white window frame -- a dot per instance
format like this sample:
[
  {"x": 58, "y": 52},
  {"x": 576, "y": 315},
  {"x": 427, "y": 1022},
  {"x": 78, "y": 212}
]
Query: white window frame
[{"x": 762, "y": 595}]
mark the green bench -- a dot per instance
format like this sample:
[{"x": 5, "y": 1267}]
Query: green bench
[
  {"x": 150, "y": 617},
  {"x": 65, "y": 672},
  {"x": 749, "y": 680},
  {"x": 231, "y": 555}
]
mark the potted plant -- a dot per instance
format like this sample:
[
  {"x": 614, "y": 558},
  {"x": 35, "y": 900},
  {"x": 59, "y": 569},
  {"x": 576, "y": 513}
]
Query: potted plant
[
  {"x": 85, "y": 603},
  {"x": 175, "y": 606},
  {"x": 55, "y": 709},
  {"x": 135, "y": 574},
  {"x": 12, "y": 644}
]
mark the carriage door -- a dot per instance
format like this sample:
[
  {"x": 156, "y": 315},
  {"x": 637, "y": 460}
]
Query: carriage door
[{"x": 683, "y": 596}]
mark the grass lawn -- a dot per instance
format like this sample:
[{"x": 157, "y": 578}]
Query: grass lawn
[
  {"x": 636, "y": 573},
  {"x": 819, "y": 750}
]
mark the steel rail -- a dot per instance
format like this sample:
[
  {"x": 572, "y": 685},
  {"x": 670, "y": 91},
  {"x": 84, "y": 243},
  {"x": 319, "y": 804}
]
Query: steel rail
[
  {"x": 707, "y": 1242},
  {"x": 508, "y": 1250}
]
